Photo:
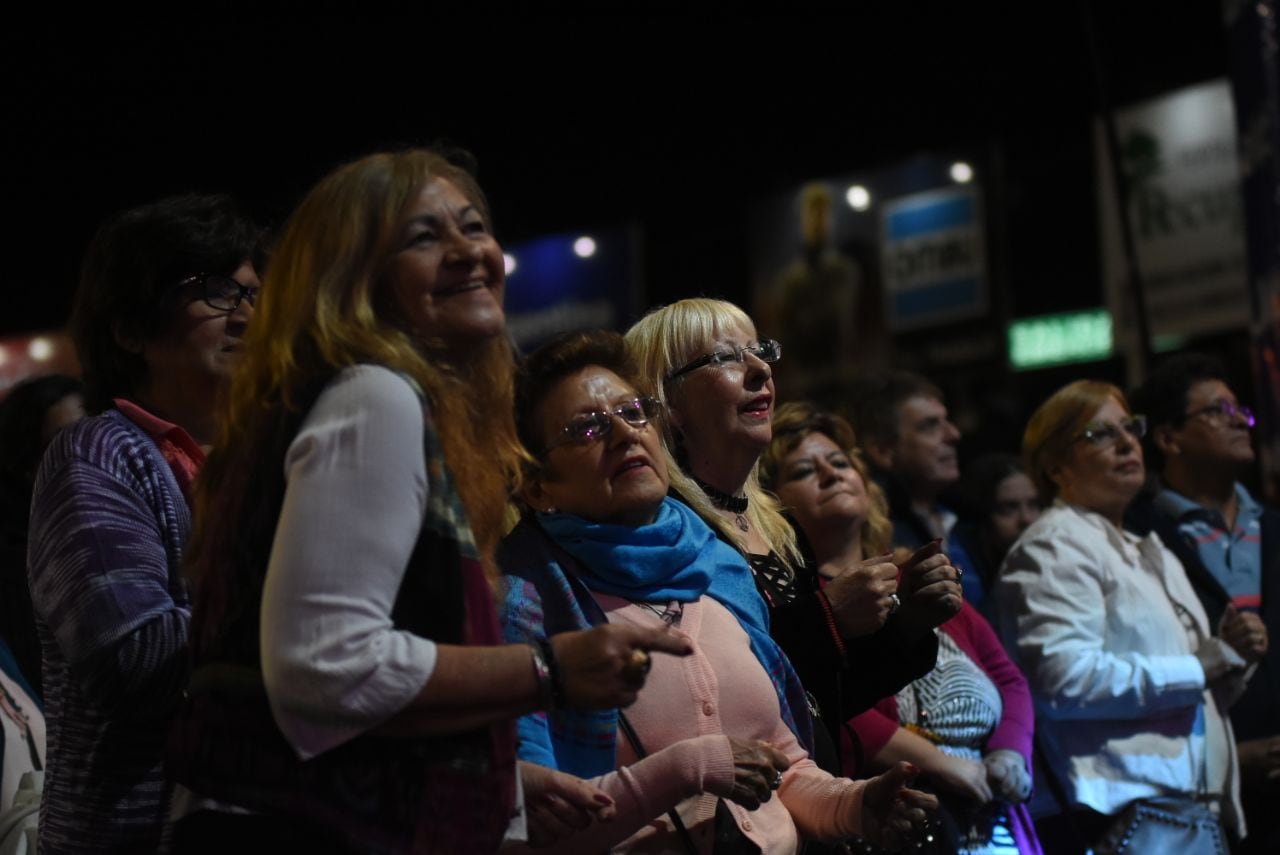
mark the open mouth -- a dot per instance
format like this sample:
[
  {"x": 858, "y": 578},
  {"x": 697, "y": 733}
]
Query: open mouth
[
  {"x": 629, "y": 465},
  {"x": 758, "y": 406},
  {"x": 454, "y": 290}
]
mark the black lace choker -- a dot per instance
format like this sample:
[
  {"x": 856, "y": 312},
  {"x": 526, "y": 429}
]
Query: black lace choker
[{"x": 722, "y": 500}]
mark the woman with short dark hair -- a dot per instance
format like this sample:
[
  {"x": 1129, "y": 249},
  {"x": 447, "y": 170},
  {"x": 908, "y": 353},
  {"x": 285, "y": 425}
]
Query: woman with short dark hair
[
  {"x": 166, "y": 293},
  {"x": 695, "y": 762}
]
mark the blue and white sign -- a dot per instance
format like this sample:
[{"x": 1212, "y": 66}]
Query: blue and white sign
[{"x": 934, "y": 258}]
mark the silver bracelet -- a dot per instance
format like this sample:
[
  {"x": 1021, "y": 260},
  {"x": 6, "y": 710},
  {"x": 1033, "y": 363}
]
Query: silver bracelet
[{"x": 542, "y": 673}]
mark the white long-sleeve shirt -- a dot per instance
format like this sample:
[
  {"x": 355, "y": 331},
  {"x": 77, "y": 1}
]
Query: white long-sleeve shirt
[
  {"x": 356, "y": 492},
  {"x": 1105, "y": 625}
]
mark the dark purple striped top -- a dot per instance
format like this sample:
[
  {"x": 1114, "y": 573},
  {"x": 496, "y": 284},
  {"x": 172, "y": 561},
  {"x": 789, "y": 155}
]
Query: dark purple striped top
[{"x": 108, "y": 524}]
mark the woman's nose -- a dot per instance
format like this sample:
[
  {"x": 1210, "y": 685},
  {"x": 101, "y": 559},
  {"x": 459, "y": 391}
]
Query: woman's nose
[
  {"x": 623, "y": 431},
  {"x": 239, "y": 317},
  {"x": 755, "y": 367},
  {"x": 463, "y": 249}
]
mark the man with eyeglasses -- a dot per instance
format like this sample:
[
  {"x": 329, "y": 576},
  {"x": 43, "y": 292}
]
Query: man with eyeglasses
[{"x": 1198, "y": 441}]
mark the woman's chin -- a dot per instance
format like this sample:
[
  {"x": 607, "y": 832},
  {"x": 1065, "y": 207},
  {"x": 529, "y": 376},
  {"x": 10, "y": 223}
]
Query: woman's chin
[{"x": 635, "y": 515}]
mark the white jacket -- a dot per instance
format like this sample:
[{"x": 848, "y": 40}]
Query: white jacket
[{"x": 1105, "y": 624}]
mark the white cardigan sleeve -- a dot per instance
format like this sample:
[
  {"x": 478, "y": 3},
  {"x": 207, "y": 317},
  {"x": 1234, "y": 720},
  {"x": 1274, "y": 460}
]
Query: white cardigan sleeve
[
  {"x": 1094, "y": 636},
  {"x": 356, "y": 491}
]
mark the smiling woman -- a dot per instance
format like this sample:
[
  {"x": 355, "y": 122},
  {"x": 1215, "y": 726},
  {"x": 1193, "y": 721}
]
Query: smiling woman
[
  {"x": 447, "y": 280},
  {"x": 351, "y": 692}
]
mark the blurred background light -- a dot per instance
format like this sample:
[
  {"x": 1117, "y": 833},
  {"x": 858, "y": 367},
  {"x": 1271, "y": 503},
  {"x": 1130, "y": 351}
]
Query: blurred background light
[
  {"x": 858, "y": 197},
  {"x": 961, "y": 172}
]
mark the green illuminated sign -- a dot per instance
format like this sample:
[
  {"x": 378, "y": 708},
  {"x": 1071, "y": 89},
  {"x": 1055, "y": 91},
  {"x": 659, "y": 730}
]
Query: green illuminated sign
[{"x": 1060, "y": 339}]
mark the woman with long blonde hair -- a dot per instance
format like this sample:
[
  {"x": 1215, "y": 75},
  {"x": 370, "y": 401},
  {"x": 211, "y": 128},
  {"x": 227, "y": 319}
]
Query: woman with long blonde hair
[
  {"x": 350, "y": 688},
  {"x": 715, "y": 378}
]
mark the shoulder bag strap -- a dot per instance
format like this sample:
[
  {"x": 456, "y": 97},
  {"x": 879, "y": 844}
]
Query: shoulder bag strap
[{"x": 638, "y": 748}]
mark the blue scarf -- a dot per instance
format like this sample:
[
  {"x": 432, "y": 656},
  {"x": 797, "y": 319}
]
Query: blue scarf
[{"x": 678, "y": 557}]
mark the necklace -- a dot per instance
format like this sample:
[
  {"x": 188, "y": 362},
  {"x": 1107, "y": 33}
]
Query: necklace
[
  {"x": 670, "y": 615},
  {"x": 736, "y": 505}
]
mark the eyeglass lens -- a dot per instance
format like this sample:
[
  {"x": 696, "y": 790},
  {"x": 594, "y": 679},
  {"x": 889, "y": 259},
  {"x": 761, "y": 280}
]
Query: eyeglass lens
[
  {"x": 1230, "y": 412},
  {"x": 1135, "y": 427},
  {"x": 768, "y": 351},
  {"x": 636, "y": 413},
  {"x": 225, "y": 293}
]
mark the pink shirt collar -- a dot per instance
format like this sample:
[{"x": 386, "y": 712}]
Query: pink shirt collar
[{"x": 183, "y": 454}]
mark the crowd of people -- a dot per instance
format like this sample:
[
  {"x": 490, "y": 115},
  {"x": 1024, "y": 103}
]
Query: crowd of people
[{"x": 329, "y": 566}]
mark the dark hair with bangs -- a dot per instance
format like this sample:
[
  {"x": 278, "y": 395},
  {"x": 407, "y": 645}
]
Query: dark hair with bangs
[
  {"x": 129, "y": 270},
  {"x": 562, "y": 356}
]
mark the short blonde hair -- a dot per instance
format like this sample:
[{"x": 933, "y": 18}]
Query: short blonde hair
[
  {"x": 1053, "y": 428},
  {"x": 662, "y": 341},
  {"x": 795, "y": 421}
]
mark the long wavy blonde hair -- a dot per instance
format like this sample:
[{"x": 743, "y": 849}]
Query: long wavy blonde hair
[
  {"x": 321, "y": 310},
  {"x": 674, "y": 335}
]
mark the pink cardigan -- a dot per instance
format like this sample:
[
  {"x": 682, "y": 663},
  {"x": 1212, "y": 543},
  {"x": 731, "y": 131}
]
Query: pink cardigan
[{"x": 684, "y": 716}]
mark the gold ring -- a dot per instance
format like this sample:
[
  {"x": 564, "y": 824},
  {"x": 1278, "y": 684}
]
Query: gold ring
[{"x": 640, "y": 662}]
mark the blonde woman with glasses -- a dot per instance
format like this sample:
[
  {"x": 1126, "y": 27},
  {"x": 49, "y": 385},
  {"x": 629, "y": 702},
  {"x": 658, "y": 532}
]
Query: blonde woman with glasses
[{"x": 714, "y": 374}]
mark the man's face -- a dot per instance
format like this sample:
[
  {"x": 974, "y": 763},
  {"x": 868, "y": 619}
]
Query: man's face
[
  {"x": 925, "y": 454},
  {"x": 1213, "y": 432}
]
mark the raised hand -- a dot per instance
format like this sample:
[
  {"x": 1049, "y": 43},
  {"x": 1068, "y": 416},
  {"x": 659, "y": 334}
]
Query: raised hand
[
  {"x": 1245, "y": 632},
  {"x": 862, "y": 597},
  {"x": 930, "y": 589},
  {"x": 605, "y": 666}
]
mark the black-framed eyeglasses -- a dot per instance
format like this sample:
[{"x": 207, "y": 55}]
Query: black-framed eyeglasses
[
  {"x": 1104, "y": 433},
  {"x": 223, "y": 293},
  {"x": 1224, "y": 411},
  {"x": 769, "y": 351},
  {"x": 588, "y": 427}
]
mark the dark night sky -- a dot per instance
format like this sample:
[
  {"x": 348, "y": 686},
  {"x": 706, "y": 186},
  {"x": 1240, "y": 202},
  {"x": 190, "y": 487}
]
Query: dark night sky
[{"x": 678, "y": 121}]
